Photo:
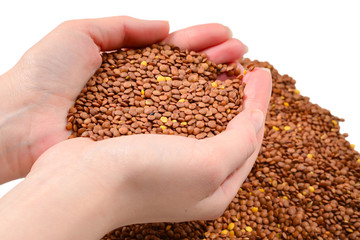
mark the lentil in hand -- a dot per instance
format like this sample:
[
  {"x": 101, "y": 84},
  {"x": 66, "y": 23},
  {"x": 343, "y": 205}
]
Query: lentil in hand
[{"x": 159, "y": 89}]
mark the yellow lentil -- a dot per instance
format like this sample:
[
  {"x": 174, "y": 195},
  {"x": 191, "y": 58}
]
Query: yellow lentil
[
  {"x": 160, "y": 78},
  {"x": 164, "y": 119},
  {"x": 231, "y": 226},
  {"x": 224, "y": 232},
  {"x": 275, "y": 128}
]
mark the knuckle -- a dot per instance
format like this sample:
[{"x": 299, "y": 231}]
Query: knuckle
[
  {"x": 214, "y": 177},
  {"x": 251, "y": 139},
  {"x": 28, "y": 57},
  {"x": 209, "y": 161},
  {"x": 73, "y": 24},
  {"x": 67, "y": 23},
  {"x": 126, "y": 18},
  {"x": 215, "y": 212}
]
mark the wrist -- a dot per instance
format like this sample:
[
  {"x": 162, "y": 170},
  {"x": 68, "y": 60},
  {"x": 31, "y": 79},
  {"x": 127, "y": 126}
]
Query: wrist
[{"x": 66, "y": 207}]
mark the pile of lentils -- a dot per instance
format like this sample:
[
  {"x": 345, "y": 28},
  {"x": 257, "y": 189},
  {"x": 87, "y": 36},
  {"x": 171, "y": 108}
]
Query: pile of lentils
[
  {"x": 305, "y": 182},
  {"x": 157, "y": 90}
]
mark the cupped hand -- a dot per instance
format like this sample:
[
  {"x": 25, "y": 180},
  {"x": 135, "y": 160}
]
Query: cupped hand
[
  {"x": 48, "y": 78},
  {"x": 148, "y": 178}
]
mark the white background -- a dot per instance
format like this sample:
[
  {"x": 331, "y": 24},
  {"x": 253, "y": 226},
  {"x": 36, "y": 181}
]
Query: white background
[{"x": 315, "y": 42}]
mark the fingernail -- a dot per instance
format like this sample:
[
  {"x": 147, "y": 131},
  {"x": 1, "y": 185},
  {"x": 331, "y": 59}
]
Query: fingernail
[
  {"x": 257, "y": 119},
  {"x": 268, "y": 70}
]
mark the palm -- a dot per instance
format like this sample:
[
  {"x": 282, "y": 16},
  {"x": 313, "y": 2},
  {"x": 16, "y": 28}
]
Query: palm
[{"x": 60, "y": 75}]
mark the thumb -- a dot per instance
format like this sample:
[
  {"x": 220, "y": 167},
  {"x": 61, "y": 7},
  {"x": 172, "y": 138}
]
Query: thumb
[
  {"x": 244, "y": 133},
  {"x": 257, "y": 97},
  {"x": 241, "y": 142},
  {"x": 258, "y": 89}
]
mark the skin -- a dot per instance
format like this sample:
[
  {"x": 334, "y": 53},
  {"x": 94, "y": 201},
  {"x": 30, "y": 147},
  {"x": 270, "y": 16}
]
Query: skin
[{"x": 80, "y": 189}]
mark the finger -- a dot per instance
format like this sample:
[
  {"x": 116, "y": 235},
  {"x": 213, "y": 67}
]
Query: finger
[
  {"x": 70, "y": 54},
  {"x": 258, "y": 89},
  {"x": 257, "y": 97},
  {"x": 115, "y": 32},
  {"x": 222, "y": 196},
  {"x": 228, "y": 51},
  {"x": 235, "y": 145},
  {"x": 258, "y": 92},
  {"x": 234, "y": 181},
  {"x": 220, "y": 199},
  {"x": 200, "y": 37}
]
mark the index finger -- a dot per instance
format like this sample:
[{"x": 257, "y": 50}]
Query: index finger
[
  {"x": 112, "y": 33},
  {"x": 200, "y": 37}
]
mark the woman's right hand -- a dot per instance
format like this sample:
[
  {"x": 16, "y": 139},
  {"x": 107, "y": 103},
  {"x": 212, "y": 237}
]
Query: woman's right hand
[{"x": 80, "y": 189}]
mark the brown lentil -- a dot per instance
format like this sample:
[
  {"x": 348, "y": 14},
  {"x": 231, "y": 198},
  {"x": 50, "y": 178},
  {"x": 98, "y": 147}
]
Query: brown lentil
[
  {"x": 305, "y": 182},
  {"x": 143, "y": 91}
]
